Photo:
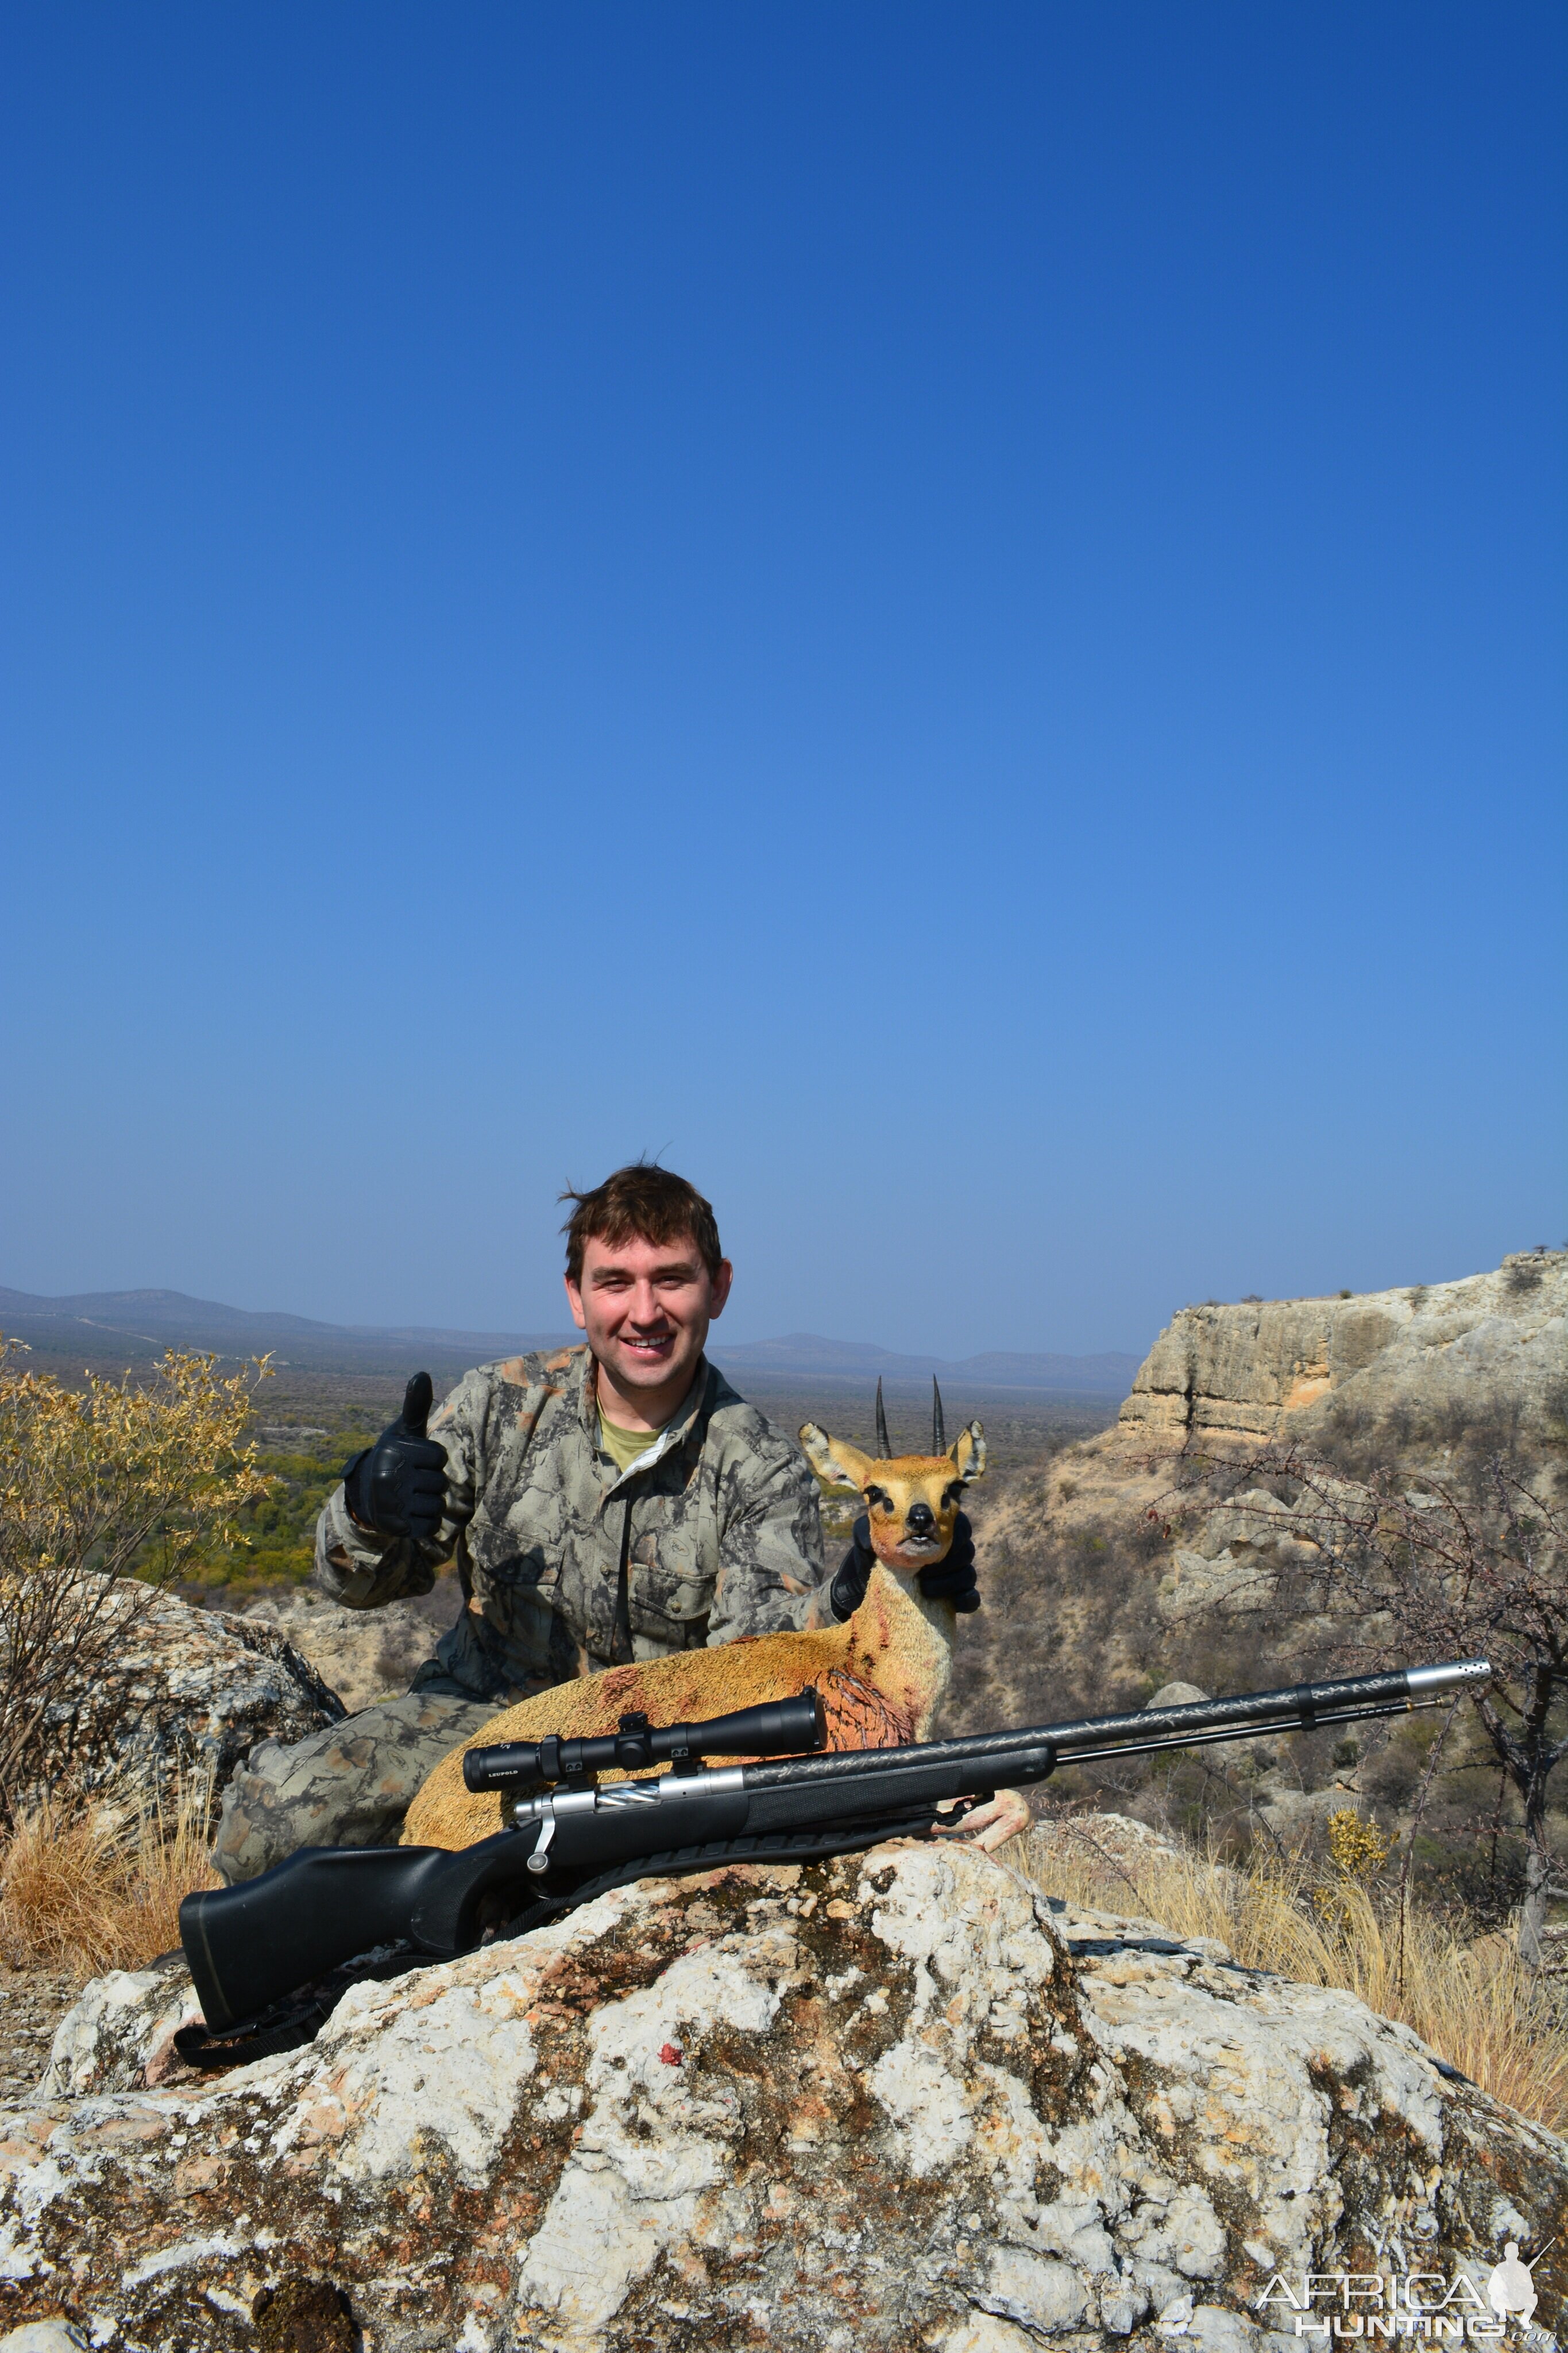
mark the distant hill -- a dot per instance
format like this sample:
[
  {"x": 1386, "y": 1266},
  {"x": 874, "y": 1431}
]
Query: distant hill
[
  {"x": 131, "y": 1326},
  {"x": 126, "y": 1326}
]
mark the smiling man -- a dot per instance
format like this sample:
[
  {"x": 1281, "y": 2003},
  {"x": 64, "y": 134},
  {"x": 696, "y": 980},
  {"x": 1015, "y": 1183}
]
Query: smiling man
[{"x": 610, "y": 1502}]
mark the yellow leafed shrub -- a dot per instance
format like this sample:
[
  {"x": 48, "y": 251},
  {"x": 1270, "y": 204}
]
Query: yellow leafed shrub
[
  {"x": 1358, "y": 1848},
  {"x": 102, "y": 1490}
]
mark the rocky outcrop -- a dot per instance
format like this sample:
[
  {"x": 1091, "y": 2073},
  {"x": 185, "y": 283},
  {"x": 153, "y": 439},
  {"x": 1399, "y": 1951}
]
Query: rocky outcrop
[
  {"x": 901, "y": 2100},
  {"x": 184, "y": 1697},
  {"x": 1116, "y": 1562},
  {"x": 1254, "y": 1371},
  {"x": 1119, "y": 1844},
  {"x": 1234, "y": 1561}
]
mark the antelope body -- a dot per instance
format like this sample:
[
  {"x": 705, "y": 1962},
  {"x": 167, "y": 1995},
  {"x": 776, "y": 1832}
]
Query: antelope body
[{"x": 881, "y": 1674}]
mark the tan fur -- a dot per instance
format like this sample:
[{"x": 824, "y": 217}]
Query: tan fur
[
  {"x": 892, "y": 1487},
  {"x": 895, "y": 1644}
]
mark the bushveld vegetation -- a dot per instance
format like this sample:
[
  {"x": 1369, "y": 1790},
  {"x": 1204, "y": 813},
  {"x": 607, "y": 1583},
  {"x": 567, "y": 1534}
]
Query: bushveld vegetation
[
  {"x": 1331, "y": 1563},
  {"x": 1402, "y": 1899},
  {"x": 1391, "y": 1569},
  {"x": 278, "y": 1529},
  {"x": 109, "y": 1492}
]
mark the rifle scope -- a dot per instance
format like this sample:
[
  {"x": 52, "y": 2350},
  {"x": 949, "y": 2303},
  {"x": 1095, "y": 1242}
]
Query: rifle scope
[{"x": 782, "y": 1727}]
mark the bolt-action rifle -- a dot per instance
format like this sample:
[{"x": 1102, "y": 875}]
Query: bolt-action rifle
[{"x": 572, "y": 1835}]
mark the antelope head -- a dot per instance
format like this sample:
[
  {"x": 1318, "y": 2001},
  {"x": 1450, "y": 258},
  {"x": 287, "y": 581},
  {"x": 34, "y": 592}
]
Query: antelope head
[{"x": 911, "y": 1500}]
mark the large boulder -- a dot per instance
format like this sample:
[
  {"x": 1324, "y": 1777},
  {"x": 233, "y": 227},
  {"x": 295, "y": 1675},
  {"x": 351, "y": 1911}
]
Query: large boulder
[
  {"x": 897, "y": 2101},
  {"x": 184, "y": 1697}
]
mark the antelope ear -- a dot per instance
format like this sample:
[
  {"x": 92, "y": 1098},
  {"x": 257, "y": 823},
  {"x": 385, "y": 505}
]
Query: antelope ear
[
  {"x": 833, "y": 1459},
  {"x": 967, "y": 1456}
]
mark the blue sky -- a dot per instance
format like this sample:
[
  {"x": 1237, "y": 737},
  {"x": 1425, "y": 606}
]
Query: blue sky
[{"x": 951, "y": 617}]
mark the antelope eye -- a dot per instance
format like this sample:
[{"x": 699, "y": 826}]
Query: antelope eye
[
  {"x": 952, "y": 1494},
  {"x": 880, "y": 1496}
]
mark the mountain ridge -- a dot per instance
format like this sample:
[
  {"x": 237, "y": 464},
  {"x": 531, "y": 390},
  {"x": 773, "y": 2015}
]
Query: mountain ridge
[
  {"x": 155, "y": 1319},
  {"x": 809, "y": 1354}
]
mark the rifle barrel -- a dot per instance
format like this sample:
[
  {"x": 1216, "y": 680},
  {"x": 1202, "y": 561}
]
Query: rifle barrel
[{"x": 1294, "y": 1706}]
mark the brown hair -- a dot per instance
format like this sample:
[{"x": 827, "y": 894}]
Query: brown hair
[{"x": 644, "y": 1201}]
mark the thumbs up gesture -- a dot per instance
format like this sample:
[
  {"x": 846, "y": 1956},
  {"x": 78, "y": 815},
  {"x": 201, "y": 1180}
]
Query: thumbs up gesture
[{"x": 399, "y": 1486}]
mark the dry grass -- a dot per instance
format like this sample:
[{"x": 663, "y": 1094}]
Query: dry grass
[
  {"x": 86, "y": 1889},
  {"x": 1476, "y": 2004}
]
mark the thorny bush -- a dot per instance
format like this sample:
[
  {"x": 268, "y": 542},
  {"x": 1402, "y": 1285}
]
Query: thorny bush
[{"x": 1467, "y": 1568}]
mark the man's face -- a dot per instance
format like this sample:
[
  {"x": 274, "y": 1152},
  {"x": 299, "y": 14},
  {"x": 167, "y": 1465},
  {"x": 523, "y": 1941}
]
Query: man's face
[{"x": 646, "y": 1308}]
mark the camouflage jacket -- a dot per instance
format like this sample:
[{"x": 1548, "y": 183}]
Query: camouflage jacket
[{"x": 568, "y": 1564}]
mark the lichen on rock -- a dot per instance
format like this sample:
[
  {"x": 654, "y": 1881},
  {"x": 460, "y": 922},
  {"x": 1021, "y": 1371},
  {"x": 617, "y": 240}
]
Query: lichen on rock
[{"x": 896, "y": 2100}]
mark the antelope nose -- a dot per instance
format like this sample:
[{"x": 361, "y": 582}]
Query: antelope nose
[{"x": 919, "y": 1519}]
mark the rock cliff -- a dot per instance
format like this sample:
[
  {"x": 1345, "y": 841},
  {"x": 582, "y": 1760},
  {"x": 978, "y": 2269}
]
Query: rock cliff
[
  {"x": 901, "y": 2100},
  {"x": 1102, "y": 1597},
  {"x": 1493, "y": 1344}
]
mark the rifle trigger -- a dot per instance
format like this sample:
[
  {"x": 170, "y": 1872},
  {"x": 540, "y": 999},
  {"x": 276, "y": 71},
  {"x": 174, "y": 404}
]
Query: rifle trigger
[{"x": 540, "y": 1859}]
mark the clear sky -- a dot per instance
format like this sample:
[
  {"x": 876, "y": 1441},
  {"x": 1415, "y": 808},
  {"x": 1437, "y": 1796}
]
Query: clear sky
[{"x": 952, "y": 617}]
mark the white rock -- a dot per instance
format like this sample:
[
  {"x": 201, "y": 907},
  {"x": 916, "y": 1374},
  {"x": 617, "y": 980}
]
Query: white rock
[
  {"x": 1219, "y": 2331},
  {"x": 985, "y": 2334},
  {"x": 937, "y": 2111},
  {"x": 118, "y": 2028},
  {"x": 1041, "y": 2294}
]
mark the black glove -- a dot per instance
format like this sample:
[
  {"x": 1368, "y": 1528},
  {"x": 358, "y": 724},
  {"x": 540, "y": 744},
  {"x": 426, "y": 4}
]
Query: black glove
[
  {"x": 952, "y": 1578},
  {"x": 849, "y": 1588},
  {"x": 399, "y": 1486}
]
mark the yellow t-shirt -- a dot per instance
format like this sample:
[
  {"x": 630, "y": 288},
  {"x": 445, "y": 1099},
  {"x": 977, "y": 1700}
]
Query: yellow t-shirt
[{"x": 625, "y": 1445}]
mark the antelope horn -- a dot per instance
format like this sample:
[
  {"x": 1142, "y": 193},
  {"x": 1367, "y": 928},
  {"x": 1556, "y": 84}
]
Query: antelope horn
[
  {"x": 884, "y": 1444},
  {"x": 938, "y": 1434}
]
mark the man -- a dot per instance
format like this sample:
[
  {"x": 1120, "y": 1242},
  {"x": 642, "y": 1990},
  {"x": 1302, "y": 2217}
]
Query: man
[{"x": 610, "y": 1502}]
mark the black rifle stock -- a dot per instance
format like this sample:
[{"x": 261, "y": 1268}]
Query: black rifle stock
[{"x": 250, "y": 1946}]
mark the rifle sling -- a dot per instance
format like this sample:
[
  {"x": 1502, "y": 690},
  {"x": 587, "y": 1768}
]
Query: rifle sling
[{"x": 287, "y": 2026}]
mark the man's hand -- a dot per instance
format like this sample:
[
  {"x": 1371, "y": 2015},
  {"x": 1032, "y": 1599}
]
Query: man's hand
[
  {"x": 849, "y": 1588},
  {"x": 952, "y": 1578},
  {"x": 399, "y": 1486},
  {"x": 990, "y": 1825}
]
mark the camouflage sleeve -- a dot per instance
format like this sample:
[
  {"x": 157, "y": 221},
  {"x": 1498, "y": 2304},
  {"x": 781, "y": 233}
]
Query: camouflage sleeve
[
  {"x": 771, "y": 1576},
  {"x": 364, "y": 1571}
]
